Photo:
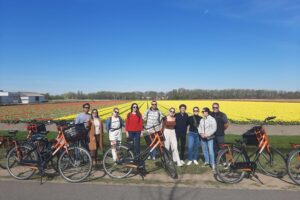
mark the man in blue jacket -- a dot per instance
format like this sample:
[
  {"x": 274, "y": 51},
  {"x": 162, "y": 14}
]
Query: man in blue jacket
[{"x": 182, "y": 122}]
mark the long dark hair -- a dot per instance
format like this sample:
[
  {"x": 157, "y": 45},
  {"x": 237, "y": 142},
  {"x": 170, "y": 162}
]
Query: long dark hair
[
  {"x": 96, "y": 112},
  {"x": 138, "y": 113}
]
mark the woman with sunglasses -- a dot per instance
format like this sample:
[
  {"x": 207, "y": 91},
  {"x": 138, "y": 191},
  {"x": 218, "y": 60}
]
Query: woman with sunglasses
[
  {"x": 114, "y": 126},
  {"x": 134, "y": 126},
  {"x": 193, "y": 137},
  {"x": 95, "y": 135},
  {"x": 169, "y": 124},
  {"x": 207, "y": 129}
]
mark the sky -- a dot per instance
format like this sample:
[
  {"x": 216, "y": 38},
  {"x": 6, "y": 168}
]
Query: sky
[{"x": 58, "y": 46}]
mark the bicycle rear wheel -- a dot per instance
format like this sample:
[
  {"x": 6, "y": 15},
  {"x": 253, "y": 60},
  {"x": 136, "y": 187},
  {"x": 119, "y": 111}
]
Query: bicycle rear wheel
[
  {"x": 17, "y": 169},
  {"x": 75, "y": 164},
  {"x": 272, "y": 163},
  {"x": 168, "y": 163},
  {"x": 116, "y": 163},
  {"x": 4, "y": 148},
  {"x": 225, "y": 172},
  {"x": 293, "y": 166}
]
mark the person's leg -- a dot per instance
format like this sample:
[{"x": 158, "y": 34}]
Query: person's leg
[
  {"x": 174, "y": 148},
  {"x": 210, "y": 144},
  {"x": 182, "y": 147},
  {"x": 196, "y": 146},
  {"x": 218, "y": 140},
  {"x": 137, "y": 142},
  {"x": 190, "y": 145},
  {"x": 113, "y": 150},
  {"x": 205, "y": 150}
]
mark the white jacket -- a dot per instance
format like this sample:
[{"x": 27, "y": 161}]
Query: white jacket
[{"x": 208, "y": 126}]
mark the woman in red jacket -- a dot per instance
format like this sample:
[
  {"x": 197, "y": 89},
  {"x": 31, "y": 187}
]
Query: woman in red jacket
[{"x": 134, "y": 126}]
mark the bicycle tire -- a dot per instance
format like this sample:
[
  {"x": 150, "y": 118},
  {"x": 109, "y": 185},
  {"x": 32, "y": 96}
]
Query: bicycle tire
[
  {"x": 169, "y": 164},
  {"x": 272, "y": 163},
  {"x": 230, "y": 175},
  {"x": 293, "y": 166},
  {"x": 11, "y": 156},
  {"x": 116, "y": 169},
  {"x": 4, "y": 149},
  {"x": 75, "y": 158}
]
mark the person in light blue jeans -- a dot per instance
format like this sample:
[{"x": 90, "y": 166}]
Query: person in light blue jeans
[{"x": 207, "y": 129}]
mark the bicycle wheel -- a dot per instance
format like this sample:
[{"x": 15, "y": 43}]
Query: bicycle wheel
[
  {"x": 272, "y": 163},
  {"x": 224, "y": 161},
  {"x": 75, "y": 164},
  {"x": 4, "y": 148},
  {"x": 293, "y": 166},
  {"x": 169, "y": 164},
  {"x": 116, "y": 162},
  {"x": 18, "y": 170}
]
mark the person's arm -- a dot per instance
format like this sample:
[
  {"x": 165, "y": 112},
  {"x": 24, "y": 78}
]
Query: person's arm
[
  {"x": 213, "y": 127},
  {"x": 145, "y": 115},
  {"x": 101, "y": 128},
  {"x": 77, "y": 119},
  {"x": 226, "y": 122},
  {"x": 107, "y": 124}
]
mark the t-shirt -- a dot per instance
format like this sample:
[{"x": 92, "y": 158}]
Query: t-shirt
[
  {"x": 115, "y": 126},
  {"x": 97, "y": 126},
  {"x": 221, "y": 119},
  {"x": 181, "y": 123},
  {"x": 82, "y": 118},
  {"x": 194, "y": 124}
]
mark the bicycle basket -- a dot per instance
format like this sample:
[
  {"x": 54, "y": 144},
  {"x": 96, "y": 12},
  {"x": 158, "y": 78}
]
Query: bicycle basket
[
  {"x": 75, "y": 133},
  {"x": 251, "y": 136},
  {"x": 36, "y": 127}
]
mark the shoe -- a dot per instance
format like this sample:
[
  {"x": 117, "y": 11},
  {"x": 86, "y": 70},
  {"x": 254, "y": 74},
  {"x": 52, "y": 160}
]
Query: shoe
[
  {"x": 189, "y": 163},
  {"x": 182, "y": 162},
  {"x": 214, "y": 170},
  {"x": 179, "y": 165},
  {"x": 205, "y": 164},
  {"x": 196, "y": 162},
  {"x": 154, "y": 158},
  {"x": 149, "y": 157}
]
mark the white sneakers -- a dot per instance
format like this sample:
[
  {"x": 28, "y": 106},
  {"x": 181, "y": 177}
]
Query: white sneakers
[
  {"x": 182, "y": 162},
  {"x": 194, "y": 161}
]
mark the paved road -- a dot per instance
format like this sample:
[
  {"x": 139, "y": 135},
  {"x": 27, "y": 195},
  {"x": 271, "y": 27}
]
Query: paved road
[{"x": 16, "y": 190}]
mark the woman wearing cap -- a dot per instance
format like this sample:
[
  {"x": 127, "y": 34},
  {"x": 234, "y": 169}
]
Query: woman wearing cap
[
  {"x": 114, "y": 126},
  {"x": 170, "y": 135},
  {"x": 95, "y": 135},
  {"x": 207, "y": 129}
]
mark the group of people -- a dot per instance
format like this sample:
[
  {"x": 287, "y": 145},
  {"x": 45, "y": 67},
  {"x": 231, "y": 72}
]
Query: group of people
[{"x": 207, "y": 130}]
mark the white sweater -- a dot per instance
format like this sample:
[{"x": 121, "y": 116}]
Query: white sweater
[{"x": 208, "y": 126}]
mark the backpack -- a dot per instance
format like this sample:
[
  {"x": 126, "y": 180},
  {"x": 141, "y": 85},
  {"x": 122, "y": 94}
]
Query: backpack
[{"x": 158, "y": 119}]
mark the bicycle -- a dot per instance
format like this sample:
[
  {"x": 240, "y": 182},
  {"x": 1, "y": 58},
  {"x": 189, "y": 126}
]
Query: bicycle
[
  {"x": 234, "y": 163},
  {"x": 293, "y": 164},
  {"x": 74, "y": 164},
  {"x": 119, "y": 162}
]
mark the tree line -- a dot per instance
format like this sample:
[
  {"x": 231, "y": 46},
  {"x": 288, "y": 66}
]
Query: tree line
[{"x": 178, "y": 94}]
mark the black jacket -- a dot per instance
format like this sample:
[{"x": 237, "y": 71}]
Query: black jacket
[{"x": 182, "y": 122}]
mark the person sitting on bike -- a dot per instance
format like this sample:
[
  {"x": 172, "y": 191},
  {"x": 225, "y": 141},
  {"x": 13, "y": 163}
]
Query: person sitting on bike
[
  {"x": 95, "y": 135},
  {"x": 84, "y": 118},
  {"x": 207, "y": 129},
  {"x": 114, "y": 126},
  {"x": 153, "y": 116},
  {"x": 169, "y": 124}
]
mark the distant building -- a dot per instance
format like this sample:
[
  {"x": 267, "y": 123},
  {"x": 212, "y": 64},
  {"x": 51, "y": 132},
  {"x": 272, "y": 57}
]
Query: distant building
[{"x": 20, "y": 97}]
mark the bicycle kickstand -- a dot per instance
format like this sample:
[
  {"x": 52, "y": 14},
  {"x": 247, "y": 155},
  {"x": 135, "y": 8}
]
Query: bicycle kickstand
[{"x": 255, "y": 176}]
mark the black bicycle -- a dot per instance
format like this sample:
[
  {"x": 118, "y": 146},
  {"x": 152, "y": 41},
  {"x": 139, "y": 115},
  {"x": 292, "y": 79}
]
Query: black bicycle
[{"x": 119, "y": 161}]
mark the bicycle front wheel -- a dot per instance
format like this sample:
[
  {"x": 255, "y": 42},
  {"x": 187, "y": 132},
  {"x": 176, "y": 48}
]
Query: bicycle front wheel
[
  {"x": 225, "y": 160},
  {"x": 16, "y": 159},
  {"x": 75, "y": 164},
  {"x": 272, "y": 163},
  {"x": 118, "y": 163},
  {"x": 294, "y": 166},
  {"x": 168, "y": 163}
]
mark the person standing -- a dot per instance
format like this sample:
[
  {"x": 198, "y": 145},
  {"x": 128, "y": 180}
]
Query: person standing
[
  {"x": 114, "y": 126},
  {"x": 207, "y": 129},
  {"x": 95, "y": 135},
  {"x": 222, "y": 125},
  {"x": 153, "y": 117},
  {"x": 82, "y": 119},
  {"x": 134, "y": 126},
  {"x": 182, "y": 122},
  {"x": 193, "y": 137}
]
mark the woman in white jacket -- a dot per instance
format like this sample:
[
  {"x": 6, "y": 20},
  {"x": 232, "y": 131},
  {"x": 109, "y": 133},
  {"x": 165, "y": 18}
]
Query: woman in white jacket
[{"x": 207, "y": 129}]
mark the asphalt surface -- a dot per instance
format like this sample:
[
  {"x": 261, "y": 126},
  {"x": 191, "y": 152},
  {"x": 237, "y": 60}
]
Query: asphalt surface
[{"x": 23, "y": 190}]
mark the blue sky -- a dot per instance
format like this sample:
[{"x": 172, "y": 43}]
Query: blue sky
[{"x": 58, "y": 46}]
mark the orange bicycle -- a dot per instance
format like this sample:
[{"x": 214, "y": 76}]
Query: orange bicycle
[
  {"x": 74, "y": 163},
  {"x": 293, "y": 164},
  {"x": 120, "y": 161}
]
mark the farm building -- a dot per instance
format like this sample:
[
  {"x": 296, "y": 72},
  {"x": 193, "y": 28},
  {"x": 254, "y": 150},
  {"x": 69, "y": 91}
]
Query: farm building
[{"x": 21, "y": 97}]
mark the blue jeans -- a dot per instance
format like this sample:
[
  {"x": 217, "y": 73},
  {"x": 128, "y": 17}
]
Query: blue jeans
[
  {"x": 193, "y": 146},
  {"x": 208, "y": 151},
  {"x": 136, "y": 141}
]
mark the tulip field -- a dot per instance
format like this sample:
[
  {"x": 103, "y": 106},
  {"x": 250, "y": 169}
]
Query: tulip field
[{"x": 244, "y": 112}]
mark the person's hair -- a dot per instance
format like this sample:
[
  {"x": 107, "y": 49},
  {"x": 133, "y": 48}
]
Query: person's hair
[
  {"x": 215, "y": 103},
  {"x": 196, "y": 107},
  {"x": 138, "y": 113},
  {"x": 172, "y": 109},
  {"x": 86, "y": 104},
  {"x": 153, "y": 101},
  {"x": 206, "y": 109},
  {"x": 116, "y": 109},
  {"x": 96, "y": 112},
  {"x": 182, "y": 105}
]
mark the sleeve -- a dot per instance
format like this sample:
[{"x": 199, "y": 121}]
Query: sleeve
[
  {"x": 101, "y": 124},
  {"x": 141, "y": 124},
  {"x": 200, "y": 128},
  {"x": 127, "y": 123},
  {"x": 161, "y": 115},
  {"x": 145, "y": 115},
  {"x": 225, "y": 119},
  {"x": 77, "y": 119},
  {"x": 107, "y": 124},
  {"x": 213, "y": 127}
]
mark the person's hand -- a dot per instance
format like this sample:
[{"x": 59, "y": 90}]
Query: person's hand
[
  {"x": 127, "y": 135},
  {"x": 142, "y": 134}
]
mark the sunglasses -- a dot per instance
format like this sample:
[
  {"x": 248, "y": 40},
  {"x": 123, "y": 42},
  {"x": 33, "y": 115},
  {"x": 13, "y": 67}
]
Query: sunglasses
[
  {"x": 215, "y": 107},
  {"x": 172, "y": 111},
  {"x": 87, "y": 107},
  {"x": 117, "y": 112},
  {"x": 196, "y": 110},
  {"x": 134, "y": 107},
  {"x": 154, "y": 104},
  {"x": 204, "y": 111}
]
